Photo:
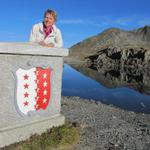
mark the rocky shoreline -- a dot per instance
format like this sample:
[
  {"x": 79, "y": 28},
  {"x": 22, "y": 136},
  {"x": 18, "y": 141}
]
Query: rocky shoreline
[{"x": 104, "y": 127}]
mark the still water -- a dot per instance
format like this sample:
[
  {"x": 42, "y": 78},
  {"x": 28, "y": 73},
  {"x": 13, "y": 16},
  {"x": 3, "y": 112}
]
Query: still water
[{"x": 75, "y": 83}]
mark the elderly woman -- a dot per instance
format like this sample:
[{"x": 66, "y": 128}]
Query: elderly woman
[{"x": 46, "y": 33}]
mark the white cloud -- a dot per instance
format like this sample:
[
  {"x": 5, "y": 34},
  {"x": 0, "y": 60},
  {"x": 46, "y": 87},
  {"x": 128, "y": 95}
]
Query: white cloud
[
  {"x": 99, "y": 22},
  {"x": 144, "y": 21},
  {"x": 79, "y": 22},
  {"x": 109, "y": 21},
  {"x": 123, "y": 21},
  {"x": 71, "y": 21},
  {"x": 126, "y": 22}
]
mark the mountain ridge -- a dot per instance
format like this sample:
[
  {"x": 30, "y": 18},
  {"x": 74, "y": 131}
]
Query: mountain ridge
[{"x": 112, "y": 37}]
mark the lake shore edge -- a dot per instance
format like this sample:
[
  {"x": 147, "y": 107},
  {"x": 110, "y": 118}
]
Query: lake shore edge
[{"x": 104, "y": 127}]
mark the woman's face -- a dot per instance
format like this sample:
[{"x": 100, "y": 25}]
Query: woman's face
[{"x": 49, "y": 20}]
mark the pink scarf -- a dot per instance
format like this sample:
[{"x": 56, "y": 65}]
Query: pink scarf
[{"x": 47, "y": 31}]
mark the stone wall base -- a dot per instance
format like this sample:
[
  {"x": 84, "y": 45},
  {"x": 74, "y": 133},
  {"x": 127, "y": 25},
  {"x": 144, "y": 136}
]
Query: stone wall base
[{"x": 13, "y": 134}]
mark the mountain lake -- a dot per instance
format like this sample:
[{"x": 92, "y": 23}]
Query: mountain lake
[{"x": 75, "y": 83}]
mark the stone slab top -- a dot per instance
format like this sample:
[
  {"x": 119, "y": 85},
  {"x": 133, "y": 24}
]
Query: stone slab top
[{"x": 29, "y": 48}]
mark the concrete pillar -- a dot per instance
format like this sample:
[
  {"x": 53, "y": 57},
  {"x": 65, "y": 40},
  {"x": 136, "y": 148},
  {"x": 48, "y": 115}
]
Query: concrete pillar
[{"x": 30, "y": 90}]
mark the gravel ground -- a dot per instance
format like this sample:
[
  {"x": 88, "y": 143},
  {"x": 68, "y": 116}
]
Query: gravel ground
[{"x": 104, "y": 127}]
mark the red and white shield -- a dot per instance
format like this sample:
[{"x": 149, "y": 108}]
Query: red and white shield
[{"x": 33, "y": 89}]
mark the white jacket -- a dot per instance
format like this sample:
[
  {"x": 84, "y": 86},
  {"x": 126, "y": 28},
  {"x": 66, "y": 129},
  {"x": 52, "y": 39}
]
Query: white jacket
[{"x": 37, "y": 35}]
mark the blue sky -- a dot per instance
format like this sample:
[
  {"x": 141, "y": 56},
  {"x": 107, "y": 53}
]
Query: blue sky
[{"x": 77, "y": 19}]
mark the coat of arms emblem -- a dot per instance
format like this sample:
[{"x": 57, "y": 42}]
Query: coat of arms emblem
[{"x": 33, "y": 89}]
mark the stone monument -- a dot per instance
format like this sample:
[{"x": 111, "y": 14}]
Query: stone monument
[{"x": 30, "y": 89}]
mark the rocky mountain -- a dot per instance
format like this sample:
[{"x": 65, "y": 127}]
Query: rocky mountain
[
  {"x": 115, "y": 45},
  {"x": 144, "y": 33},
  {"x": 116, "y": 58}
]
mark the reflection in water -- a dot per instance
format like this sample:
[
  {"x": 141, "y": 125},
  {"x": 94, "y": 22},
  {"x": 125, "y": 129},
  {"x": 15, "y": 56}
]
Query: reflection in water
[
  {"x": 109, "y": 86},
  {"x": 114, "y": 76}
]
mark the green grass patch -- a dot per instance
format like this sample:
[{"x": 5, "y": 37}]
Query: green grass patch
[{"x": 57, "y": 137}]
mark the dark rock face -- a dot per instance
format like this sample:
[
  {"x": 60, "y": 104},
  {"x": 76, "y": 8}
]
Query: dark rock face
[{"x": 132, "y": 57}]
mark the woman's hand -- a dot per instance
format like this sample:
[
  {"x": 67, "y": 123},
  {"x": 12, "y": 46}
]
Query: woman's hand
[
  {"x": 42, "y": 43},
  {"x": 50, "y": 45}
]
